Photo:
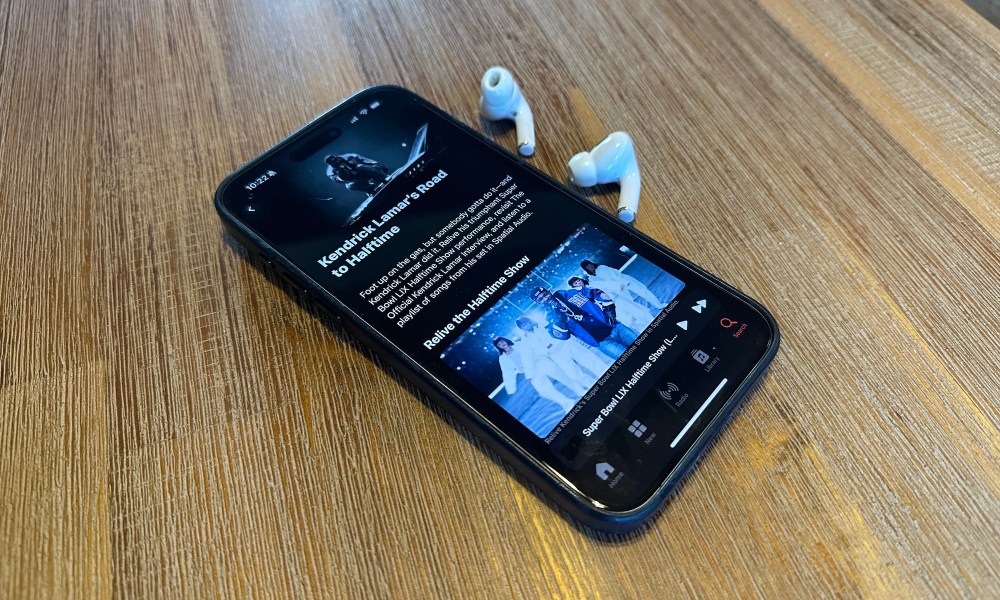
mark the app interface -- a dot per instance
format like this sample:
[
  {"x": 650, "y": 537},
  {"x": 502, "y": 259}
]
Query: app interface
[{"x": 590, "y": 348}]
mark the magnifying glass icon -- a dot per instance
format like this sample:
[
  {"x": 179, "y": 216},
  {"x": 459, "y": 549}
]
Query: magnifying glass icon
[{"x": 727, "y": 323}]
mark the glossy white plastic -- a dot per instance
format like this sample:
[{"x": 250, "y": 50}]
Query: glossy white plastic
[
  {"x": 502, "y": 99},
  {"x": 611, "y": 161}
]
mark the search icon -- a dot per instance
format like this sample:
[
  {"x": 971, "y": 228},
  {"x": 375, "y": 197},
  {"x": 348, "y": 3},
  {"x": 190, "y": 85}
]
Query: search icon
[{"x": 727, "y": 323}]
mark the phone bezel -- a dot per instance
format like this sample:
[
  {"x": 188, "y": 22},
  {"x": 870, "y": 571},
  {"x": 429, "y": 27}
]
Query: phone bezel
[{"x": 579, "y": 504}]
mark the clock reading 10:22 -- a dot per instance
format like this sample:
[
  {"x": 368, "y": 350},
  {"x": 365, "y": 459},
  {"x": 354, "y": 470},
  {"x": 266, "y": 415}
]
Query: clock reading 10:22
[{"x": 252, "y": 185}]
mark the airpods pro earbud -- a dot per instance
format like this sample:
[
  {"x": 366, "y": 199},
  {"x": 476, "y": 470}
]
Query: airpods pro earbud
[
  {"x": 613, "y": 160},
  {"x": 502, "y": 99}
]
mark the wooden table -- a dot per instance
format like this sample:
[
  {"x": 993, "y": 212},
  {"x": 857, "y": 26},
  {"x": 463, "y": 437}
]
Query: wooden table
[{"x": 173, "y": 424}]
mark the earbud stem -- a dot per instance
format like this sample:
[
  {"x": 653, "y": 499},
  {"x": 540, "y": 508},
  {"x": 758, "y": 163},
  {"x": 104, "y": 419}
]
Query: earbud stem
[
  {"x": 524, "y": 122},
  {"x": 628, "y": 201}
]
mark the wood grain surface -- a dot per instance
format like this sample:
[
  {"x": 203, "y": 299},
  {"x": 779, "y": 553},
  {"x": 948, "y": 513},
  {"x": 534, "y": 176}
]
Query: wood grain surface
[{"x": 172, "y": 424}]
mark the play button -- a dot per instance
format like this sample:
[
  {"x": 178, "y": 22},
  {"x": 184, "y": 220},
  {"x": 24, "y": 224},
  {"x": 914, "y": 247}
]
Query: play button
[{"x": 683, "y": 325}]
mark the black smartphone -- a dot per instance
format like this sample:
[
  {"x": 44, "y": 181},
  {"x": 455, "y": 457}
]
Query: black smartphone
[{"x": 594, "y": 359}]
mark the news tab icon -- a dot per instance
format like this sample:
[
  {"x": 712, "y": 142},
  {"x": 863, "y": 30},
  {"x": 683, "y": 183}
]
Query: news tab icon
[{"x": 637, "y": 428}]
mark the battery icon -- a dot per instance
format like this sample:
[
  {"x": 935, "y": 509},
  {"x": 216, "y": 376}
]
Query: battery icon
[{"x": 374, "y": 105}]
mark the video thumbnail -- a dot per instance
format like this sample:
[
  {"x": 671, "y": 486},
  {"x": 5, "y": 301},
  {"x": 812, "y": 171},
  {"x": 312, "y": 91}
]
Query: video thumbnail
[{"x": 542, "y": 346}]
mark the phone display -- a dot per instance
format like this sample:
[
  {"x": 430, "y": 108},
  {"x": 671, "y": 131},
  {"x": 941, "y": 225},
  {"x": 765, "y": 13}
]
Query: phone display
[{"x": 585, "y": 353}]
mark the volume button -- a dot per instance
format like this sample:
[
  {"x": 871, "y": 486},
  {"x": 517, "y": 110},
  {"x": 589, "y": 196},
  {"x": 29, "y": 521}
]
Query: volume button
[
  {"x": 334, "y": 317},
  {"x": 294, "y": 282},
  {"x": 300, "y": 288}
]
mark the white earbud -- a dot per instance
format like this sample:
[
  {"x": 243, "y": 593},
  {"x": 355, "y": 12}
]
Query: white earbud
[
  {"x": 613, "y": 160},
  {"x": 502, "y": 99}
]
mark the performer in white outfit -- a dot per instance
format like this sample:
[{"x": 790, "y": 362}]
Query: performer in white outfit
[
  {"x": 568, "y": 355},
  {"x": 616, "y": 283},
  {"x": 538, "y": 373}
]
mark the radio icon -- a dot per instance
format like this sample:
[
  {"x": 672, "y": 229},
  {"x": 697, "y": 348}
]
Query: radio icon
[{"x": 667, "y": 393}]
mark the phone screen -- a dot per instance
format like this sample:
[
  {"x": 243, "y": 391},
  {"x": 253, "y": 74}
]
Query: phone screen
[{"x": 586, "y": 345}]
